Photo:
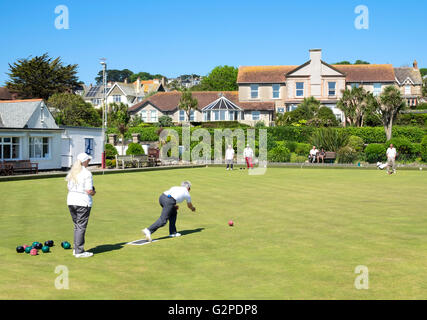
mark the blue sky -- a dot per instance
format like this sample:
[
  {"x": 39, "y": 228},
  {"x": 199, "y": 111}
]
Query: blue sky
[{"x": 183, "y": 37}]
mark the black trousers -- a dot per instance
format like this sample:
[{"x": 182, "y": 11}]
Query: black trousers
[
  {"x": 169, "y": 212},
  {"x": 80, "y": 216}
]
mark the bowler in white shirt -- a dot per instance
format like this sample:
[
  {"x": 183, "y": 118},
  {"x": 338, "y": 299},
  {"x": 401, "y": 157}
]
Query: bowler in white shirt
[
  {"x": 229, "y": 157},
  {"x": 168, "y": 201},
  {"x": 391, "y": 159}
]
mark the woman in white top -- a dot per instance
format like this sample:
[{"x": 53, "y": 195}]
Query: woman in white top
[{"x": 79, "y": 201}]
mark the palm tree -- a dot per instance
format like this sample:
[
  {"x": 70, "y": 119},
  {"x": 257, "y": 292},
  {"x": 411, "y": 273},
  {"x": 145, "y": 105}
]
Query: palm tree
[
  {"x": 388, "y": 105},
  {"x": 355, "y": 103},
  {"x": 187, "y": 103}
]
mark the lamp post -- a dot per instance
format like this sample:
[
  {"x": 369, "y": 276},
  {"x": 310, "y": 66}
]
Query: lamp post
[{"x": 104, "y": 107}]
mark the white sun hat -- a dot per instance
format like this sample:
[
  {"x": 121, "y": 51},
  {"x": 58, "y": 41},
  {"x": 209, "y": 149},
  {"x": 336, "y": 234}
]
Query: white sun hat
[{"x": 82, "y": 157}]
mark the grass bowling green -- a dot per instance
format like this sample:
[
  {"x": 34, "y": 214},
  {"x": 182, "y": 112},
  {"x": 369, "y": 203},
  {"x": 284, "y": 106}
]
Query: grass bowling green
[{"x": 297, "y": 234}]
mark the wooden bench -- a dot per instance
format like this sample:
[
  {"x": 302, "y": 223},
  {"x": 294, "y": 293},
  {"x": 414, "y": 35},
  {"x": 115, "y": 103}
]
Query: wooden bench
[
  {"x": 22, "y": 166},
  {"x": 329, "y": 157},
  {"x": 6, "y": 169},
  {"x": 133, "y": 161},
  {"x": 154, "y": 157}
]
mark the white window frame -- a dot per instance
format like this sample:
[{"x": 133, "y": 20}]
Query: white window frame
[
  {"x": 377, "y": 91},
  {"x": 192, "y": 115},
  {"x": 254, "y": 91},
  {"x": 181, "y": 115},
  {"x": 408, "y": 90},
  {"x": 32, "y": 146},
  {"x": 11, "y": 144},
  {"x": 296, "y": 89},
  {"x": 90, "y": 147},
  {"x": 144, "y": 115},
  {"x": 253, "y": 115},
  {"x": 117, "y": 98},
  {"x": 276, "y": 85},
  {"x": 334, "y": 90},
  {"x": 153, "y": 116}
]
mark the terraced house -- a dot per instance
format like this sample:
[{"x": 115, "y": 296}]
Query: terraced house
[{"x": 266, "y": 90}]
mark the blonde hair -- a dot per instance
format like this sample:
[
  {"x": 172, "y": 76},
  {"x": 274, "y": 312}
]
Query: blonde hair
[{"x": 74, "y": 171}]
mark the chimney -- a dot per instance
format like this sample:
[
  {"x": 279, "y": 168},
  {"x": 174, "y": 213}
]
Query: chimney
[
  {"x": 138, "y": 84},
  {"x": 163, "y": 82},
  {"x": 126, "y": 80},
  {"x": 415, "y": 65},
  {"x": 316, "y": 72}
]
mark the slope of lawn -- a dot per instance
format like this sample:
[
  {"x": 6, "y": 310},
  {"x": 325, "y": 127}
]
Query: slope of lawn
[{"x": 298, "y": 234}]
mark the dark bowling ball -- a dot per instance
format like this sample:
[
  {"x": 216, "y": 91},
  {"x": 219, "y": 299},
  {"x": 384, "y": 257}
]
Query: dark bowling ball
[
  {"x": 49, "y": 243},
  {"x": 38, "y": 246},
  {"x": 20, "y": 249}
]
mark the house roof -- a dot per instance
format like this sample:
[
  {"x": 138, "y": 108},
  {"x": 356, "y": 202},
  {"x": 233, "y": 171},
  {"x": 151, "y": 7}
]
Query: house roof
[
  {"x": 169, "y": 101},
  {"x": 368, "y": 72},
  {"x": 354, "y": 73},
  {"x": 5, "y": 94},
  {"x": 263, "y": 74},
  {"x": 404, "y": 73},
  {"x": 17, "y": 113}
]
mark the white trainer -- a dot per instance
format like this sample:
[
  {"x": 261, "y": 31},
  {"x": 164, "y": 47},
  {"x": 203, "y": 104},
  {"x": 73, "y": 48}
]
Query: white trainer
[
  {"x": 147, "y": 234},
  {"x": 84, "y": 255},
  {"x": 176, "y": 234}
]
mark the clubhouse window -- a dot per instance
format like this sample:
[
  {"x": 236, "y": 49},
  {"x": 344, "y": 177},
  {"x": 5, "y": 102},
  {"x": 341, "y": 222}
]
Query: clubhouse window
[
  {"x": 39, "y": 148},
  {"x": 117, "y": 98},
  {"x": 192, "y": 115},
  {"x": 9, "y": 148}
]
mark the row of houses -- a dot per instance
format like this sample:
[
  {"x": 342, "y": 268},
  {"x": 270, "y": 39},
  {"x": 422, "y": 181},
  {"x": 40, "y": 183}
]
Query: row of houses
[
  {"x": 266, "y": 90},
  {"x": 121, "y": 92}
]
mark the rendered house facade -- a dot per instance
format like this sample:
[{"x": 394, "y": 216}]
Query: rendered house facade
[{"x": 264, "y": 91}]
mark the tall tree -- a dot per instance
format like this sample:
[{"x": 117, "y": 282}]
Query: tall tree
[
  {"x": 119, "y": 117},
  {"x": 41, "y": 77},
  {"x": 388, "y": 105},
  {"x": 221, "y": 78},
  {"x": 187, "y": 103},
  {"x": 355, "y": 103},
  {"x": 115, "y": 75},
  {"x": 71, "y": 110}
]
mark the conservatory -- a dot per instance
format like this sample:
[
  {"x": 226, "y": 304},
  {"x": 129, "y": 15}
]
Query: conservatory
[{"x": 222, "y": 109}]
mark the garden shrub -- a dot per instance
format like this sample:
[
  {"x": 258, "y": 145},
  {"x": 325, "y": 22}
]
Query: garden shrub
[
  {"x": 279, "y": 153},
  {"x": 303, "y": 149},
  {"x": 424, "y": 149},
  {"x": 356, "y": 143},
  {"x": 110, "y": 151},
  {"x": 291, "y": 145},
  {"x": 375, "y": 152},
  {"x": 330, "y": 139},
  {"x": 347, "y": 155},
  {"x": 135, "y": 149},
  {"x": 295, "y": 158}
]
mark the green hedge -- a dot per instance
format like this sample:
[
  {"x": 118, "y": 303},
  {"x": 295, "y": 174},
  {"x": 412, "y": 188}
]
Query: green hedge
[
  {"x": 297, "y": 134},
  {"x": 424, "y": 149}
]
